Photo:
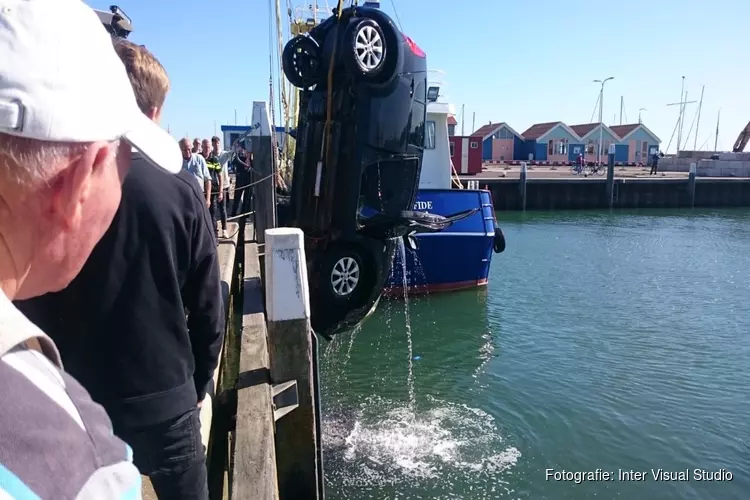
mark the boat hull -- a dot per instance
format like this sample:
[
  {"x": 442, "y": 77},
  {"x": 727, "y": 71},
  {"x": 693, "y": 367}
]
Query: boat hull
[{"x": 456, "y": 258}]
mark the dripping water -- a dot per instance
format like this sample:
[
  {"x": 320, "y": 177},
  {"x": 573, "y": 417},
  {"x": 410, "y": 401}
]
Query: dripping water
[{"x": 405, "y": 286}]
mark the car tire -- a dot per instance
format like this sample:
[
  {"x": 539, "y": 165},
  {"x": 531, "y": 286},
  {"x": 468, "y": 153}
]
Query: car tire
[
  {"x": 368, "y": 54},
  {"x": 302, "y": 62},
  {"x": 346, "y": 275}
]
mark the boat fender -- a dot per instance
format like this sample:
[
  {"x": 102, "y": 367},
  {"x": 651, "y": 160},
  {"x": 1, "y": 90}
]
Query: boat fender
[{"x": 499, "y": 244}]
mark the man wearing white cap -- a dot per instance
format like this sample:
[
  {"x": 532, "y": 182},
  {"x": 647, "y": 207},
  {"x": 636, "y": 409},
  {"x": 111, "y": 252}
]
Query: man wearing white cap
[{"x": 68, "y": 120}]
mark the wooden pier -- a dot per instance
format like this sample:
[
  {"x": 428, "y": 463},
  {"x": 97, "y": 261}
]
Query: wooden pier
[
  {"x": 261, "y": 427},
  {"x": 544, "y": 188}
]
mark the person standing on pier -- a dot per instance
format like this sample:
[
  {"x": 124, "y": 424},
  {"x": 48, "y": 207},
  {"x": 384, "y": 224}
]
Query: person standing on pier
[
  {"x": 121, "y": 324},
  {"x": 224, "y": 158},
  {"x": 216, "y": 206},
  {"x": 196, "y": 146},
  {"x": 243, "y": 169},
  {"x": 196, "y": 166},
  {"x": 67, "y": 126},
  {"x": 654, "y": 164}
]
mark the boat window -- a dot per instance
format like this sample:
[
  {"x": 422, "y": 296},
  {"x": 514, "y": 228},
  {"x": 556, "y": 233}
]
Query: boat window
[{"x": 429, "y": 135}]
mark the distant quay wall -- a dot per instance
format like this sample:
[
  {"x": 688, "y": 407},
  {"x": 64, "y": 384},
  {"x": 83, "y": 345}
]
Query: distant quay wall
[
  {"x": 725, "y": 164},
  {"x": 592, "y": 193}
]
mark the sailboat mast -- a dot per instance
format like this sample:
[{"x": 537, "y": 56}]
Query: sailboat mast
[
  {"x": 680, "y": 144},
  {"x": 683, "y": 98},
  {"x": 473, "y": 120},
  {"x": 463, "y": 120},
  {"x": 622, "y": 105},
  {"x": 698, "y": 121},
  {"x": 716, "y": 140}
]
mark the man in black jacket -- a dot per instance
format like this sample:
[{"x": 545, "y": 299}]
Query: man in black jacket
[
  {"x": 243, "y": 169},
  {"x": 121, "y": 326}
]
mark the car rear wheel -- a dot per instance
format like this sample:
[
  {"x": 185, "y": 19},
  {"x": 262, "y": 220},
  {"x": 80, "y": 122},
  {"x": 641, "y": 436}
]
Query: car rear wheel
[
  {"x": 301, "y": 62},
  {"x": 368, "y": 53}
]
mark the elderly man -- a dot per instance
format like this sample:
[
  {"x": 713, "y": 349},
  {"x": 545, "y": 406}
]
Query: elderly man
[
  {"x": 195, "y": 165},
  {"x": 196, "y": 146},
  {"x": 152, "y": 367},
  {"x": 68, "y": 120}
]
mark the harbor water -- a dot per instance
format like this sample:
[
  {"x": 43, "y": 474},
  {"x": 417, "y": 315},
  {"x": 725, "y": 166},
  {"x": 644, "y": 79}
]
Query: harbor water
[{"x": 605, "y": 343}]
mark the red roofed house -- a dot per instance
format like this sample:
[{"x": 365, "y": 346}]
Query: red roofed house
[
  {"x": 452, "y": 125},
  {"x": 552, "y": 142},
  {"x": 635, "y": 144},
  {"x": 499, "y": 142},
  {"x": 589, "y": 134}
]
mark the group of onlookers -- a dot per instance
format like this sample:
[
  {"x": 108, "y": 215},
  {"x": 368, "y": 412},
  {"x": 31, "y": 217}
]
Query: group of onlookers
[
  {"x": 209, "y": 164},
  {"x": 111, "y": 309}
]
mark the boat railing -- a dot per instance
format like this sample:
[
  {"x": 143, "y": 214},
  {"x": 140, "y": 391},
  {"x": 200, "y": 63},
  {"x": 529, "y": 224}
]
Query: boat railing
[
  {"x": 306, "y": 17},
  {"x": 436, "y": 78}
]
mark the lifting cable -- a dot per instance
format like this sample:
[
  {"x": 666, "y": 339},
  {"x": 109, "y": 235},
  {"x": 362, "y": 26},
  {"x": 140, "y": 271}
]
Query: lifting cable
[
  {"x": 329, "y": 104},
  {"x": 454, "y": 177}
]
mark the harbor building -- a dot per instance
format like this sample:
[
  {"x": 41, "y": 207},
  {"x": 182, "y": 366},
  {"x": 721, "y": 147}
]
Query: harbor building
[
  {"x": 557, "y": 142},
  {"x": 639, "y": 143},
  {"x": 551, "y": 142},
  {"x": 499, "y": 142},
  {"x": 452, "y": 125},
  {"x": 590, "y": 134}
]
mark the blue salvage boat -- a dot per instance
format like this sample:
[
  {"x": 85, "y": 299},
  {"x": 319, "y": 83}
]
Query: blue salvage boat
[{"x": 458, "y": 257}]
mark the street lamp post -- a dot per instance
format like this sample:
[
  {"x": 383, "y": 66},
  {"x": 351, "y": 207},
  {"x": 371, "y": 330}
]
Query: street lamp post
[
  {"x": 639, "y": 114},
  {"x": 601, "y": 109}
]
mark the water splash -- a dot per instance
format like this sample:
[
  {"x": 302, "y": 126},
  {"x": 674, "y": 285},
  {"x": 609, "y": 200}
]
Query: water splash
[
  {"x": 381, "y": 444},
  {"x": 405, "y": 286}
]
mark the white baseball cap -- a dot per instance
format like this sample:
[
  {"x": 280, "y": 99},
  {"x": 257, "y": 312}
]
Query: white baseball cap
[{"x": 61, "y": 80}]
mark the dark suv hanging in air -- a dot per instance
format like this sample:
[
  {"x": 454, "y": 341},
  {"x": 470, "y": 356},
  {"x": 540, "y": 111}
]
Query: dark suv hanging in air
[{"x": 360, "y": 138}]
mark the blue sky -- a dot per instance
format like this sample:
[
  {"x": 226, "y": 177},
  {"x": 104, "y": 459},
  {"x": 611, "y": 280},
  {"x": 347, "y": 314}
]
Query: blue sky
[{"x": 518, "y": 61}]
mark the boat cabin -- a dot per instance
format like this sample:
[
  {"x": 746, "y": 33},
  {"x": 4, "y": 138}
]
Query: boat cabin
[{"x": 436, "y": 162}]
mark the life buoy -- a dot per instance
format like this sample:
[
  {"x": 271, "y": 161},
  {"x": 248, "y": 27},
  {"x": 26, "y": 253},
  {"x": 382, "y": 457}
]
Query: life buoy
[{"x": 499, "y": 244}]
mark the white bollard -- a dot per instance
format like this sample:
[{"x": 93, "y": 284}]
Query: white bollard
[
  {"x": 292, "y": 359},
  {"x": 287, "y": 289}
]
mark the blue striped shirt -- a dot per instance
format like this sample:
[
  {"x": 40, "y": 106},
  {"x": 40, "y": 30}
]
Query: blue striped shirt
[
  {"x": 196, "y": 165},
  {"x": 55, "y": 442}
]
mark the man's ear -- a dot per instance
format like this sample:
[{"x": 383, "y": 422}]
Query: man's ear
[
  {"x": 154, "y": 114},
  {"x": 72, "y": 186}
]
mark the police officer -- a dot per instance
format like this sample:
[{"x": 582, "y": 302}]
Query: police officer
[{"x": 217, "y": 188}]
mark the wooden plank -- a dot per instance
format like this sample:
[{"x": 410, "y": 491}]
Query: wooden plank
[
  {"x": 227, "y": 250},
  {"x": 254, "y": 473}
]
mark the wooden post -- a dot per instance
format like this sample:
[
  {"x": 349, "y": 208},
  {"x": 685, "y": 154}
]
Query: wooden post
[
  {"x": 691, "y": 185},
  {"x": 291, "y": 356},
  {"x": 610, "y": 190},
  {"x": 264, "y": 165},
  {"x": 522, "y": 185}
]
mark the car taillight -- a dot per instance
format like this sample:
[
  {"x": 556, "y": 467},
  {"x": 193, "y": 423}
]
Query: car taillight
[{"x": 414, "y": 47}]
